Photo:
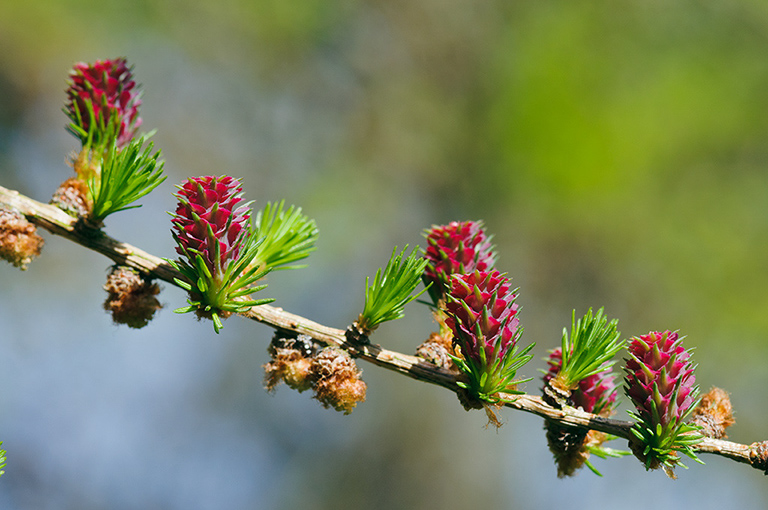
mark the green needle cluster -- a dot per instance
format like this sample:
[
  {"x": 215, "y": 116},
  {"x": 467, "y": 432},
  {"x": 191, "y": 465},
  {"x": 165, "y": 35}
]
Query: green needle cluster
[
  {"x": 589, "y": 348},
  {"x": 391, "y": 290},
  {"x": 127, "y": 175},
  {"x": 224, "y": 294},
  {"x": 289, "y": 236},
  {"x": 2, "y": 459}
]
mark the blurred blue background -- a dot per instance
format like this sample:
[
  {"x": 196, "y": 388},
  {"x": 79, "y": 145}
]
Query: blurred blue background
[{"x": 617, "y": 150}]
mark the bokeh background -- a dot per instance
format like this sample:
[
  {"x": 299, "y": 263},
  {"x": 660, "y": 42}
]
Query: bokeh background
[{"x": 617, "y": 150}]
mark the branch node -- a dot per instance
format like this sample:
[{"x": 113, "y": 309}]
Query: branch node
[
  {"x": 758, "y": 454},
  {"x": 355, "y": 336}
]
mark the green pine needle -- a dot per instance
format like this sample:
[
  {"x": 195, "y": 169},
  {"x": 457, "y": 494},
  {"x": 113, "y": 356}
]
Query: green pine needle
[
  {"x": 289, "y": 236},
  {"x": 2, "y": 459},
  {"x": 392, "y": 289},
  {"x": 589, "y": 348},
  {"x": 603, "y": 452},
  {"x": 127, "y": 175}
]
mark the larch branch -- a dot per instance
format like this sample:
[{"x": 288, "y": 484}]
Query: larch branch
[{"x": 60, "y": 223}]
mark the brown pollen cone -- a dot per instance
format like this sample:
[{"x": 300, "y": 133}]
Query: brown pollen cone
[
  {"x": 436, "y": 350},
  {"x": 72, "y": 197},
  {"x": 19, "y": 241},
  {"x": 337, "y": 380},
  {"x": 714, "y": 414},
  {"x": 288, "y": 364},
  {"x": 567, "y": 444},
  {"x": 131, "y": 297}
]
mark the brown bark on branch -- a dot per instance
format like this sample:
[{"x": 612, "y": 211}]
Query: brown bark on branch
[{"x": 58, "y": 222}]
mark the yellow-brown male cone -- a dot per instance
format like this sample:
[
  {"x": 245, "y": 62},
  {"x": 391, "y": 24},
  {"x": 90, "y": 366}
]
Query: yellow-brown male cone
[
  {"x": 290, "y": 364},
  {"x": 337, "y": 380},
  {"x": 714, "y": 414},
  {"x": 131, "y": 297},
  {"x": 19, "y": 242},
  {"x": 72, "y": 197}
]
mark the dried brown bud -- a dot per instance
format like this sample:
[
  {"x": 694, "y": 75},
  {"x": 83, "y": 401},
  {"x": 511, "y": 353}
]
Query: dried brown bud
[
  {"x": 291, "y": 362},
  {"x": 19, "y": 242},
  {"x": 72, "y": 196},
  {"x": 714, "y": 414},
  {"x": 337, "y": 380},
  {"x": 289, "y": 365},
  {"x": 131, "y": 297},
  {"x": 331, "y": 373},
  {"x": 436, "y": 350}
]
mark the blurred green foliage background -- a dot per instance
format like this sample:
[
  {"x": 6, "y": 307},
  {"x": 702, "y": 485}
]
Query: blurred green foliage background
[{"x": 617, "y": 150}]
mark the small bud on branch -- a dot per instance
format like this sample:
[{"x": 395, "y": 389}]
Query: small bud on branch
[{"x": 131, "y": 297}]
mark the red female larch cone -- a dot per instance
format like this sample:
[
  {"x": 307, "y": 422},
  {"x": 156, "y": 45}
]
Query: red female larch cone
[
  {"x": 107, "y": 87},
  {"x": 210, "y": 217},
  {"x": 661, "y": 384},
  {"x": 660, "y": 375},
  {"x": 456, "y": 248}
]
